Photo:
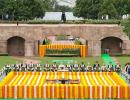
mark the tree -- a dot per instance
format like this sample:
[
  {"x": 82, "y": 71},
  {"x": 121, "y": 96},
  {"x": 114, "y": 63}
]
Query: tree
[
  {"x": 87, "y": 8},
  {"x": 7, "y": 7},
  {"x": 94, "y": 9},
  {"x": 35, "y": 7},
  {"x": 108, "y": 8},
  {"x": 2, "y": 6},
  {"x": 126, "y": 27},
  {"x": 24, "y": 9},
  {"x": 47, "y": 5},
  {"x": 122, "y": 7},
  {"x": 60, "y": 8}
]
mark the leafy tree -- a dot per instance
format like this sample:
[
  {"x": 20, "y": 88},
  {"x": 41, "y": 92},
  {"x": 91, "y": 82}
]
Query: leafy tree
[
  {"x": 24, "y": 9},
  {"x": 122, "y": 7},
  {"x": 2, "y": 6},
  {"x": 47, "y": 5},
  {"x": 126, "y": 27},
  {"x": 59, "y": 8},
  {"x": 108, "y": 8},
  {"x": 34, "y": 7},
  {"x": 7, "y": 7},
  {"x": 87, "y": 8},
  {"x": 94, "y": 9}
]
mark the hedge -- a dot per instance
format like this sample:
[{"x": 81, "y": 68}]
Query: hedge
[
  {"x": 78, "y": 42},
  {"x": 86, "y": 21},
  {"x": 4, "y": 54},
  {"x": 12, "y": 22},
  {"x": 46, "y": 41},
  {"x": 61, "y": 37},
  {"x": 103, "y": 21},
  {"x": 63, "y": 52}
]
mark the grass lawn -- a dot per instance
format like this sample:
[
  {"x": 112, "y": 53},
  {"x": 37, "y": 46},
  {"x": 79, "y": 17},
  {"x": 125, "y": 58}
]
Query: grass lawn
[
  {"x": 72, "y": 60},
  {"x": 7, "y": 60},
  {"x": 123, "y": 60},
  {"x": 64, "y": 60},
  {"x": 11, "y": 60}
]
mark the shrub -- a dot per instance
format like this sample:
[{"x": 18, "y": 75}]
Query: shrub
[
  {"x": 85, "y": 21},
  {"x": 126, "y": 27},
  {"x": 78, "y": 42},
  {"x": 62, "y": 37},
  {"x": 4, "y": 54},
  {"x": 46, "y": 41},
  {"x": 63, "y": 52},
  {"x": 12, "y": 22},
  {"x": 102, "y": 21},
  {"x": 43, "y": 22}
]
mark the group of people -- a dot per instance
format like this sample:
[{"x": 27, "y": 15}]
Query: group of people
[
  {"x": 126, "y": 72},
  {"x": 20, "y": 67},
  {"x": 82, "y": 67},
  {"x": 68, "y": 67}
]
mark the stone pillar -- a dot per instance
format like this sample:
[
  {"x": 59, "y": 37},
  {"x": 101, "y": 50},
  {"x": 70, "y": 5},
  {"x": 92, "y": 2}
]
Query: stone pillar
[
  {"x": 126, "y": 47},
  {"x": 29, "y": 48},
  {"x": 94, "y": 48},
  {"x": 3, "y": 47},
  {"x": 36, "y": 48},
  {"x": 90, "y": 48},
  {"x": 97, "y": 48}
]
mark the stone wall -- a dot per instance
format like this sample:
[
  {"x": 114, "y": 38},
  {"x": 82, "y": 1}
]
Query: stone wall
[{"x": 91, "y": 33}]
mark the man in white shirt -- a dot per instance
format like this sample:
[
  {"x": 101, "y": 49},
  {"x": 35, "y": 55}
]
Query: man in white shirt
[{"x": 76, "y": 67}]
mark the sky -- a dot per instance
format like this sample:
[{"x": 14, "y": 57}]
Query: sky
[{"x": 70, "y": 3}]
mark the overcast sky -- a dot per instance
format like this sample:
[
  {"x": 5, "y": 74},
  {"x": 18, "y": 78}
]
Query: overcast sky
[{"x": 70, "y": 3}]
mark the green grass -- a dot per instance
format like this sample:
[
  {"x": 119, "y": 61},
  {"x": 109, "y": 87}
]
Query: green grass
[
  {"x": 11, "y": 60},
  {"x": 123, "y": 60},
  {"x": 7, "y": 60},
  {"x": 86, "y": 60}
]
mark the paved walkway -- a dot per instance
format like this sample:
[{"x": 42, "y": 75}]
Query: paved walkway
[{"x": 107, "y": 59}]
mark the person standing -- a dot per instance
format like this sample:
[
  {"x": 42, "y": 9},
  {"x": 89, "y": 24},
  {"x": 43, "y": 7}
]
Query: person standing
[
  {"x": 104, "y": 68},
  {"x": 118, "y": 68},
  {"x": 47, "y": 67},
  {"x": 129, "y": 69},
  {"x": 63, "y": 17},
  {"x": 111, "y": 67},
  {"x": 83, "y": 67},
  {"x": 69, "y": 67},
  {"x": 96, "y": 66},
  {"x": 17, "y": 23},
  {"x": 54, "y": 67},
  {"x": 89, "y": 67},
  {"x": 76, "y": 67}
]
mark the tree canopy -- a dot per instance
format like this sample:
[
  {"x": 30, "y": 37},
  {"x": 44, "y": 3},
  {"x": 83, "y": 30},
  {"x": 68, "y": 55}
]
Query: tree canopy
[
  {"x": 126, "y": 27},
  {"x": 24, "y": 9},
  {"x": 87, "y": 8},
  {"x": 94, "y": 9},
  {"x": 28, "y": 9}
]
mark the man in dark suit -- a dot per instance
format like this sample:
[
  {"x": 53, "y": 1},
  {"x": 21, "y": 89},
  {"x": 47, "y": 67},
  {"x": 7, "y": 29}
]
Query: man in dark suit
[{"x": 63, "y": 17}]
